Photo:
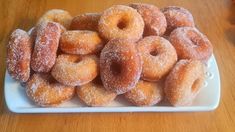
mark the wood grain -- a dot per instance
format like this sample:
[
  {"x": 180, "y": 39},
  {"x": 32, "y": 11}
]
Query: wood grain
[{"x": 215, "y": 18}]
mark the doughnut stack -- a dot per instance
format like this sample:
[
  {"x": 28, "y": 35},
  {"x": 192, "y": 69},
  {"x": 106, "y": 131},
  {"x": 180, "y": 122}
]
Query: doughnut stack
[{"x": 139, "y": 51}]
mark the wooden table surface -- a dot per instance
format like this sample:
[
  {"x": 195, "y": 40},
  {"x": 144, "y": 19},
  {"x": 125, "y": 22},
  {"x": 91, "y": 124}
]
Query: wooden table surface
[{"x": 215, "y": 18}]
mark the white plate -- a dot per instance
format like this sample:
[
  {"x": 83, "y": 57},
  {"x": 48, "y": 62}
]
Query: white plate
[{"x": 208, "y": 99}]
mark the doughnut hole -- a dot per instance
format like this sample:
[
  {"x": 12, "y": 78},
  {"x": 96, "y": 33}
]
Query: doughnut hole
[
  {"x": 115, "y": 68},
  {"x": 77, "y": 60},
  {"x": 196, "y": 85},
  {"x": 153, "y": 52},
  {"x": 123, "y": 23},
  {"x": 194, "y": 38},
  {"x": 194, "y": 41}
]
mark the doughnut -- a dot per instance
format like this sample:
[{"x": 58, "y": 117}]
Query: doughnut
[
  {"x": 191, "y": 44},
  {"x": 158, "y": 56},
  {"x": 121, "y": 22},
  {"x": 145, "y": 93},
  {"x": 43, "y": 90},
  {"x": 19, "y": 55},
  {"x": 177, "y": 17},
  {"x": 120, "y": 65},
  {"x": 46, "y": 45},
  {"x": 81, "y": 42},
  {"x": 87, "y": 21},
  {"x": 184, "y": 82},
  {"x": 154, "y": 19},
  {"x": 94, "y": 93},
  {"x": 73, "y": 70},
  {"x": 57, "y": 15}
]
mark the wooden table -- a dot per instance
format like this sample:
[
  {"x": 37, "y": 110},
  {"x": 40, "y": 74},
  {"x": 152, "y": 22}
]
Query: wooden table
[{"x": 215, "y": 18}]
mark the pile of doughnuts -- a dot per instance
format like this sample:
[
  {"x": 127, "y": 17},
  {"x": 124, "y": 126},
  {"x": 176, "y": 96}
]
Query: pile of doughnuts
[{"x": 139, "y": 51}]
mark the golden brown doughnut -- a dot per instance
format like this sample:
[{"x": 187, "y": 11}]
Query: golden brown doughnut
[
  {"x": 177, "y": 17},
  {"x": 120, "y": 65},
  {"x": 57, "y": 15},
  {"x": 154, "y": 19},
  {"x": 43, "y": 90},
  {"x": 191, "y": 44},
  {"x": 94, "y": 93},
  {"x": 19, "y": 55},
  {"x": 81, "y": 42},
  {"x": 184, "y": 82},
  {"x": 145, "y": 93},
  {"x": 158, "y": 56},
  {"x": 121, "y": 22},
  {"x": 73, "y": 70},
  {"x": 46, "y": 45},
  {"x": 87, "y": 21}
]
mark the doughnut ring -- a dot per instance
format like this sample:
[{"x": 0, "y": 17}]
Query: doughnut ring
[
  {"x": 120, "y": 65},
  {"x": 94, "y": 93},
  {"x": 145, "y": 93},
  {"x": 184, "y": 82},
  {"x": 121, "y": 22},
  {"x": 19, "y": 55},
  {"x": 158, "y": 56},
  {"x": 191, "y": 44},
  {"x": 73, "y": 70},
  {"x": 45, "y": 91}
]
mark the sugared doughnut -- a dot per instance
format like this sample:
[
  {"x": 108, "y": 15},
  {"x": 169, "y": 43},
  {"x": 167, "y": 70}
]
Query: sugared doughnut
[
  {"x": 57, "y": 15},
  {"x": 184, "y": 82},
  {"x": 87, "y": 21},
  {"x": 43, "y": 90},
  {"x": 74, "y": 70},
  {"x": 154, "y": 19},
  {"x": 122, "y": 22},
  {"x": 177, "y": 17},
  {"x": 145, "y": 93},
  {"x": 120, "y": 65},
  {"x": 46, "y": 45},
  {"x": 158, "y": 56},
  {"x": 191, "y": 44},
  {"x": 94, "y": 93},
  {"x": 18, "y": 55},
  {"x": 81, "y": 42}
]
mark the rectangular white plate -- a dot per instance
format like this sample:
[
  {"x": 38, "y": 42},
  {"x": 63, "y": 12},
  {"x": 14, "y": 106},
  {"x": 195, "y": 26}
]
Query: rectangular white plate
[{"x": 207, "y": 99}]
